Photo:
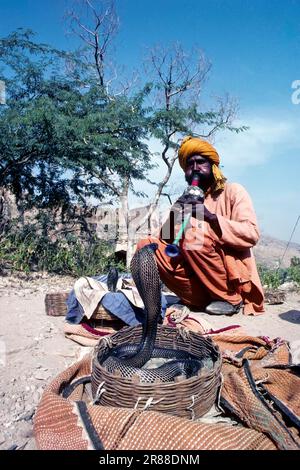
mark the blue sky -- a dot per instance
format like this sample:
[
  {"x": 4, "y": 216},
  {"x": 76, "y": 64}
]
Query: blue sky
[{"x": 254, "y": 47}]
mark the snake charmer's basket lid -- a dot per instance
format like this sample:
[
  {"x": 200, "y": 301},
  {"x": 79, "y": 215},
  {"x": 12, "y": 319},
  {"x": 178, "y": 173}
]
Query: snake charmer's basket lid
[{"x": 189, "y": 398}]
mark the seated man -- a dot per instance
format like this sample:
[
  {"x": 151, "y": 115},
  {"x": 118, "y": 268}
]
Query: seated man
[{"x": 215, "y": 270}]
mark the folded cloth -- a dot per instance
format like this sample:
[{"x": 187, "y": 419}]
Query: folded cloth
[
  {"x": 125, "y": 304},
  {"x": 183, "y": 317},
  {"x": 84, "y": 334},
  {"x": 89, "y": 293}
]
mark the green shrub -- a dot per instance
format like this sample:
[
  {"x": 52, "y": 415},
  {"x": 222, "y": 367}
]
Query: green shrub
[
  {"x": 294, "y": 271},
  {"x": 275, "y": 277},
  {"x": 271, "y": 277},
  {"x": 29, "y": 249}
]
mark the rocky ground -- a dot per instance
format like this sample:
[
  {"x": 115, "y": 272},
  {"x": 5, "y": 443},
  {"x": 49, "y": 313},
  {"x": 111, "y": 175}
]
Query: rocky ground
[{"x": 33, "y": 349}]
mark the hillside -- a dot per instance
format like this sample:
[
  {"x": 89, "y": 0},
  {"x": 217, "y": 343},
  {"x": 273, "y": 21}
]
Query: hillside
[{"x": 270, "y": 250}]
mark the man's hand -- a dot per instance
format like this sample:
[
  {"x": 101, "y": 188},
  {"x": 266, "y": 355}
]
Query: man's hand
[{"x": 187, "y": 205}]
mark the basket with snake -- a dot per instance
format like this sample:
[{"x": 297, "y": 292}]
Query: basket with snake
[{"x": 167, "y": 369}]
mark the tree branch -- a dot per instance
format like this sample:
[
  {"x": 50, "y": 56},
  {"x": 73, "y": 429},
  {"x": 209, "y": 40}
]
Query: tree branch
[
  {"x": 105, "y": 180},
  {"x": 160, "y": 188},
  {"x": 14, "y": 163}
]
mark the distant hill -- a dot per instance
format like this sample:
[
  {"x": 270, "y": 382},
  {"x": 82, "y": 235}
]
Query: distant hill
[{"x": 270, "y": 250}]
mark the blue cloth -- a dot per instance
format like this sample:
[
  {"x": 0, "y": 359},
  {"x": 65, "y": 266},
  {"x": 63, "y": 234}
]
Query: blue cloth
[{"x": 115, "y": 302}]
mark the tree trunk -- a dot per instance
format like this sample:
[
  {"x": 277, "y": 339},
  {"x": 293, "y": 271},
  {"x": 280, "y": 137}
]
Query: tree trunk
[
  {"x": 8, "y": 207},
  {"x": 124, "y": 222}
]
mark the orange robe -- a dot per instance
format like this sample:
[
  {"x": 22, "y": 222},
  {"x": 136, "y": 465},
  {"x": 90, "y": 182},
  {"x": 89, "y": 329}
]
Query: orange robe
[{"x": 210, "y": 267}]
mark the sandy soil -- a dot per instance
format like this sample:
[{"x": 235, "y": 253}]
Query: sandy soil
[{"x": 33, "y": 349}]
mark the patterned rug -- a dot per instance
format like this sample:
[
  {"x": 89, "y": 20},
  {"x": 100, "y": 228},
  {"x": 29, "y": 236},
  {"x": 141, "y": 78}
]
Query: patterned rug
[{"x": 260, "y": 392}]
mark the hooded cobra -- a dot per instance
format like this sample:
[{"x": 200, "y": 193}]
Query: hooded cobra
[{"x": 128, "y": 359}]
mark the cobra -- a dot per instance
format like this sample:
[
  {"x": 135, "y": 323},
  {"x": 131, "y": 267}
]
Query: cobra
[{"x": 129, "y": 359}]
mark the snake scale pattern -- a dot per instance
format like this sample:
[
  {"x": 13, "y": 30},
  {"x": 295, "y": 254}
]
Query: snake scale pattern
[{"x": 129, "y": 359}]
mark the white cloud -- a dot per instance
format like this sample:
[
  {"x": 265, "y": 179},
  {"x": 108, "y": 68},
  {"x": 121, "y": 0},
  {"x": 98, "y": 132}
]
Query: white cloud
[
  {"x": 270, "y": 135},
  {"x": 266, "y": 137}
]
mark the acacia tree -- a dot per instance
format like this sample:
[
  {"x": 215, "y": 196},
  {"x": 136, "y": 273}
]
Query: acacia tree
[
  {"x": 95, "y": 23},
  {"x": 32, "y": 120},
  {"x": 70, "y": 131},
  {"x": 177, "y": 82},
  {"x": 62, "y": 142}
]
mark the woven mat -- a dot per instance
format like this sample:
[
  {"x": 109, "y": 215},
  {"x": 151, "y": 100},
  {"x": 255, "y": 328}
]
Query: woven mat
[{"x": 66, "y": 417}]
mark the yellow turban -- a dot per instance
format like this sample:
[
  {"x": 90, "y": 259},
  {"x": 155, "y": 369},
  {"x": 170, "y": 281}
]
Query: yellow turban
[{"x": 192, "y": 146}]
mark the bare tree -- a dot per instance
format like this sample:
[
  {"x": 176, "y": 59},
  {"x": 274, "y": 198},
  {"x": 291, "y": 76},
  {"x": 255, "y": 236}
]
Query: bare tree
[
  {"x": 177, "y": 72},
  {"x": 96, "y": 23},
  {"x": 180, "y": 79}
]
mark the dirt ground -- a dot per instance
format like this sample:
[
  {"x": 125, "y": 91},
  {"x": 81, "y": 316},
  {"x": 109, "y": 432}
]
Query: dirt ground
[{"x": 33, "y": 349}]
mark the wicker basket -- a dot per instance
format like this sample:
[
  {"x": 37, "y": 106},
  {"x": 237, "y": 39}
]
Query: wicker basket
[
  {"x": 274, "y": 296},
  {"x": 55, "y": 305},
  {"x": 189, "y": 398}
]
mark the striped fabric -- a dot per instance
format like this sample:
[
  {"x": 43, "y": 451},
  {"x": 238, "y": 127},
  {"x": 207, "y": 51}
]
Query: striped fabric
[
  {"x": 85, "y": 335},
  {"x": 59, "y": 426},
  {"x": 252, "y": 368}
]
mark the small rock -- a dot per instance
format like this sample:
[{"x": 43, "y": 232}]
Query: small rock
[
  {"x": 42, "y": 375},
  {"x": 29, "y": 415},
  {"x": 289, "y": 286}
]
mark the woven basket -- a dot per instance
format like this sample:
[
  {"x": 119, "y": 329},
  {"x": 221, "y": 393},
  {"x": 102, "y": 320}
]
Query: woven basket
[
  {"x": 189, "y": 398},
  {"x": 55, "y": 305},
  {"x": 274, "y": 296}
]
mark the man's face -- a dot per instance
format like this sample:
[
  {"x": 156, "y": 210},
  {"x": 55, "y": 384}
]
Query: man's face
[{"x": 199, "y": 164}]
